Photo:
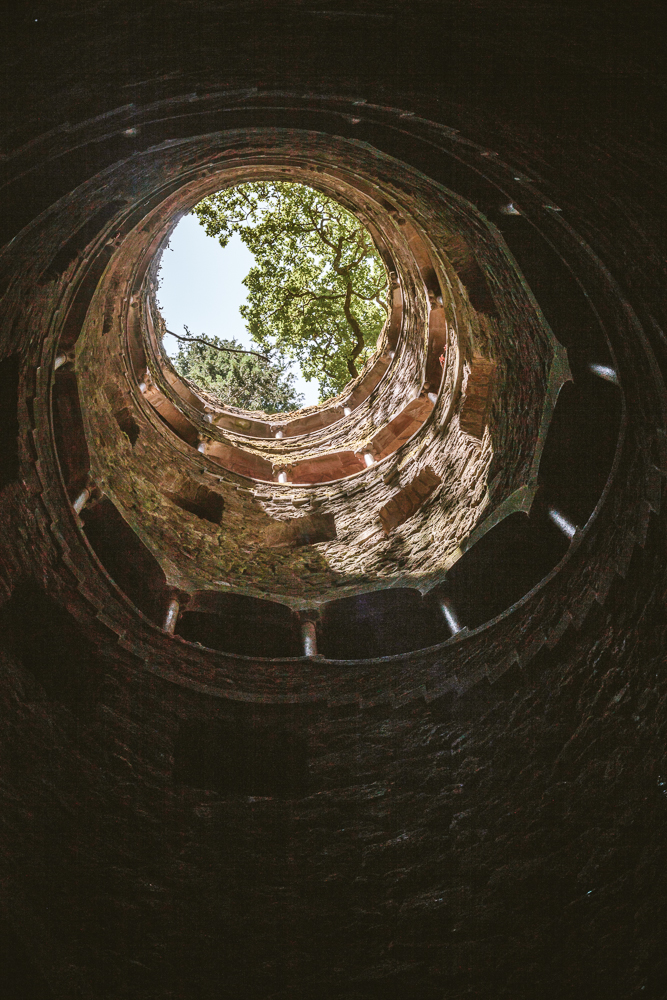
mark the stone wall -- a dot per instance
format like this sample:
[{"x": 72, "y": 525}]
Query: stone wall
[{"x": 482, "y": 816}]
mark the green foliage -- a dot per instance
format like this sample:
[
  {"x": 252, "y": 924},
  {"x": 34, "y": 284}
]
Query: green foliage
[
  {"x": 318, "y": 291},
  {"x": 242, "y": 380}
]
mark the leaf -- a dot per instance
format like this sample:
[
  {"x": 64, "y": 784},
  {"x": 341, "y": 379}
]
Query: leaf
[
  {"x": 314, "y": 293},
  {"x": 242, "y": 380}
]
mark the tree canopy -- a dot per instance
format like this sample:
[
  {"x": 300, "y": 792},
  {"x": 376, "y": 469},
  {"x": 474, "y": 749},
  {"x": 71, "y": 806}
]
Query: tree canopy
[
  {"x": 318, "y": 291},
  {"x": 236, "y": 377}
]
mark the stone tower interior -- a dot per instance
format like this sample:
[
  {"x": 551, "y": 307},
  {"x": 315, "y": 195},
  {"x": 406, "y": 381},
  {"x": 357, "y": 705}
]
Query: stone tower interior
[{"x": 369, "y": 699}]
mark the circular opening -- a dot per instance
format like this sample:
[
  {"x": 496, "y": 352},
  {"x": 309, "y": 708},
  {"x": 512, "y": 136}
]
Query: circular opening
[
  {"x": 382, "y": 535},
  {"x": 302, "y": 304}
]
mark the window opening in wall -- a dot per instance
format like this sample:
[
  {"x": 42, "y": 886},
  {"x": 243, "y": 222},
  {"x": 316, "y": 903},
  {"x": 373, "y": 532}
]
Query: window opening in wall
[{"x": 300, "y": 296}]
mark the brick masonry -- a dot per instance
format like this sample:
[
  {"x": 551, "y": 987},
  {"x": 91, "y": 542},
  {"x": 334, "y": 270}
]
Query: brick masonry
[{"x": 484, "y": 818}]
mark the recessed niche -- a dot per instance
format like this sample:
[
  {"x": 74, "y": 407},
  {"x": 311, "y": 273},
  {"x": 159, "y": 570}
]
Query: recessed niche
[
  {"x": 380, "y": 623},
  {"x": 198, "y": 500},
  {"x": 580, "y": 446},
  {"x": 237, "y": 623},
  {"x": 126, "y": 559},
  {"x": 495, "y": 572}
]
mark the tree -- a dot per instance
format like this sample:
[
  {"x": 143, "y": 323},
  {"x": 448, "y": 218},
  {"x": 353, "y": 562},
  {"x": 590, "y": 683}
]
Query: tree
[
  {"x": 234, "y": 376},
  {"x": 318, "y": 290}
]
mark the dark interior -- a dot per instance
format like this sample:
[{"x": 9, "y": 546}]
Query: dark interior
[
  {"x": 580, "y": 446},
  {"x": 381, "y": 623},
  {"x": 498, "y": 570},
  {"x": 242, "y": 625},
  {"x": 126, "y": 559},
  {"x": 20, "y": 978},
  {"x": 45, "y": 639},
  {"x": 562, "y": 299}
]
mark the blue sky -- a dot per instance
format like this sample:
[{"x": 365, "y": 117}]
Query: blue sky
[{"x": 201, "y": 287}]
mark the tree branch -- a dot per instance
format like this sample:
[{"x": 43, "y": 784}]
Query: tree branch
[
  {"x": 359, "y": 346},
  {"x": 207, "y": 343},
  {"x": 313, "y": 298}
]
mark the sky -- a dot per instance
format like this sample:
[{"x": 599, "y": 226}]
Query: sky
[{"x": 201, "y": 287}]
